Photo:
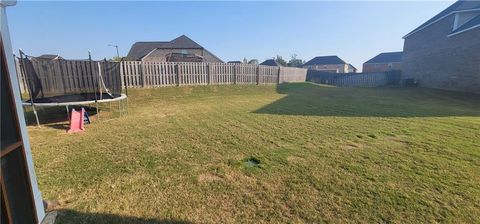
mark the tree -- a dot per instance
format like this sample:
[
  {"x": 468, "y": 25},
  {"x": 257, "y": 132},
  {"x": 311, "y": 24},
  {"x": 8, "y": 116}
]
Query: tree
[
  {"x": 253, "y": 62},
  {"x": 295, "y": 62},
  {"x": 280, "y": 60},
  {"x": 117, "y": 59}
]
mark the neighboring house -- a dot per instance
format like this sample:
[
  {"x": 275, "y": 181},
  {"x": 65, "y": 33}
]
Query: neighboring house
[
  {"x": 49, "y": 57},
  {"x": 234, "y": 62},
  {"x": 384, "y": 62},
  {"x": 270, "y": 62},
  {"x": 332, "y": 64},
  {"x": 180, "y": 49},
  {"x": 351, "y": 69},
  {"x": 444, "y": 52}
]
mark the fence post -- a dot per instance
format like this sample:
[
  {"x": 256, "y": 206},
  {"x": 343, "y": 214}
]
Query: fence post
[
  {"x": 257, "y": 75},
  {"x": 121, "y": 73},
  {"x": 20, "y": 76},
  {"x": 234, "y": 74},
  {"x": 142, "y": 73},
  {"x": 278, "y": 74},
  {"x": 177, "y": 70},
  {"x": 208, "y": 74}
]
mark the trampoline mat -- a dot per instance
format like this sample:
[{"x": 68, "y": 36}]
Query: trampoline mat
[{"x": 74, "y": 98}]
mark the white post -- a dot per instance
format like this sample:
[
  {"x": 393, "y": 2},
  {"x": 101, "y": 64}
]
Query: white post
[{"x": 5, "y": 35}]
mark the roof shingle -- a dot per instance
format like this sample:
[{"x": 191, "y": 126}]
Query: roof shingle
[
  {"x": 387, "y": 57},
  {"x": 270, "y": 62},
  {"x": 325, "y": 60},
  {"x": 140, "y": 49}
]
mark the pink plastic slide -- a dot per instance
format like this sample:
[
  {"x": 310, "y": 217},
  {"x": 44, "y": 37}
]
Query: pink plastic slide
[{"x": 76, "y": 121}]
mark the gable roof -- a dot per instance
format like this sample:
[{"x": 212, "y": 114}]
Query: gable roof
[
  {"x": 325, "y": 60},
  {"x": 49, "y": 56},
  {"x": 270, "y": 62},
  {"x": 386, "y": 57},
  {"x": 140, "y": 49},
  {"x": 458, "y": 6},
  {"x": 473, "y": 23}
]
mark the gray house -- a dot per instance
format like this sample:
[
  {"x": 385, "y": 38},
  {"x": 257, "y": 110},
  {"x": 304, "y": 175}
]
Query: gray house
[
  {"x": 332, "y": 64},
  {"x": 384, "y": 62},
  {"x": 444, "y": 52},
  {"x": 180, "y": 49}
]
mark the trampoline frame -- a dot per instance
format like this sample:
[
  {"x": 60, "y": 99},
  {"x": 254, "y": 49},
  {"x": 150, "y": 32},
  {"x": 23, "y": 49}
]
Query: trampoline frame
[{"x": 122, "y": 105}]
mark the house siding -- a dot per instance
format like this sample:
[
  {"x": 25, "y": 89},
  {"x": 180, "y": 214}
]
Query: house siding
[
  {"x": 209, "y": 57},
  {"x": 333, "y": 68},
  {"x": 381, "y": 67},
  {"x": 439, "y": 61}
]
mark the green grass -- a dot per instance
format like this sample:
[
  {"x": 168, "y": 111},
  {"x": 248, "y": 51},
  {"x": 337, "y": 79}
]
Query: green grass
[{"x": 326, "y": 154}]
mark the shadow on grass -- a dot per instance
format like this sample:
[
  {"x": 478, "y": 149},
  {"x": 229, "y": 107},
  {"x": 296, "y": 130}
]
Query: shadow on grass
[
  {"x": 310, "y": 99},
  {"x": 54, "y": 117},
  {"x": 71, "y": 216}
]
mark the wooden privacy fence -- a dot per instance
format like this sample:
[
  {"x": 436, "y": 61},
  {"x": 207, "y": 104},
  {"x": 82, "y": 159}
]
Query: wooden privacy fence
[
  {"x": 138, "y": 74},
  {"x": 348, "y": 79},
  {"x": 57, "y": 77}
]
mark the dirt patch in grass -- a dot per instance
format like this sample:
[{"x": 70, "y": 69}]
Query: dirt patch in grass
[
  {"x": 352, "y": 146},
  {"x": 295, "y": 159},
  {"x": 206, "y": 178}
]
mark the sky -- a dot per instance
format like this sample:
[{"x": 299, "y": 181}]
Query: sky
[{"x": 353, "y": 30}]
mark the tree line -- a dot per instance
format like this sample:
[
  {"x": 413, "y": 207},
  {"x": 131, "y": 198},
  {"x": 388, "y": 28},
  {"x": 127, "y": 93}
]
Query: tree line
[{"x": 293, "y": 62}]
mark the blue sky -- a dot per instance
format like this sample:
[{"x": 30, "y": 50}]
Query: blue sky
[{"x": 355, "y": 31}]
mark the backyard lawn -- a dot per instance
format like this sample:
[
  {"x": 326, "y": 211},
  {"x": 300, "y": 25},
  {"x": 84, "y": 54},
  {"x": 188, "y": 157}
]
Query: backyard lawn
[{"x": 267, "y": 154}]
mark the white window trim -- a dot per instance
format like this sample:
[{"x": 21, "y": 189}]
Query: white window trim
[{"x": 443, "y": 17}]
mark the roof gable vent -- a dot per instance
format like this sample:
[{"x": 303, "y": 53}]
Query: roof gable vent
[{"x": 463, "y": 17}]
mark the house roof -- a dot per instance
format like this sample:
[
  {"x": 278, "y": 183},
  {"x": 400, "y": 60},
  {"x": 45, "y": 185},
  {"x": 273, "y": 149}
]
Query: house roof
[
  {"x": 325, "y": 60},
  {"x": 270, "y": 62},
  {"x": 49, "y": 56},
  {"x": 458, "y": 6},
  {"x": 386, "y": 57},
  {"x": 235, "y": 62},
  {"x": 140, "y": 49},
  {"x": 351, "y": 66},
  {"x": 475, "y": 22}
]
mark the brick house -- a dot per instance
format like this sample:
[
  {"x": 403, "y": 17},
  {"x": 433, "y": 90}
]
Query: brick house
[
  {"x": 180, "y": 49},
  {"x": 332, "y": 64},
  {"x": 444, "y": 52},
  {"x": 384, "y": 62}
]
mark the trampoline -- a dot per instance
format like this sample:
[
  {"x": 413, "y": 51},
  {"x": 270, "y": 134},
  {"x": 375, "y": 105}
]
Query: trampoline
[{"x": 68, "y": 83}]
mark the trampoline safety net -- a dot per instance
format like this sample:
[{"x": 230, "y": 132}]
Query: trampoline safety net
[{"x": 59, "y": 80}]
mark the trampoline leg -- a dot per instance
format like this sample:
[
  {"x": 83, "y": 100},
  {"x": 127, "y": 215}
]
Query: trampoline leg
[
  {"x": 119, "y": 108},
  {"x": 68, "y": 113},
  {"x": 98, "y": 111},
  {"x": 36, "y": 116}
]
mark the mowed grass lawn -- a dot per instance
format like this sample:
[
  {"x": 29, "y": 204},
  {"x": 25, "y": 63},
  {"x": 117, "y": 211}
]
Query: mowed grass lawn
[{"x": 327, "y": 154}]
